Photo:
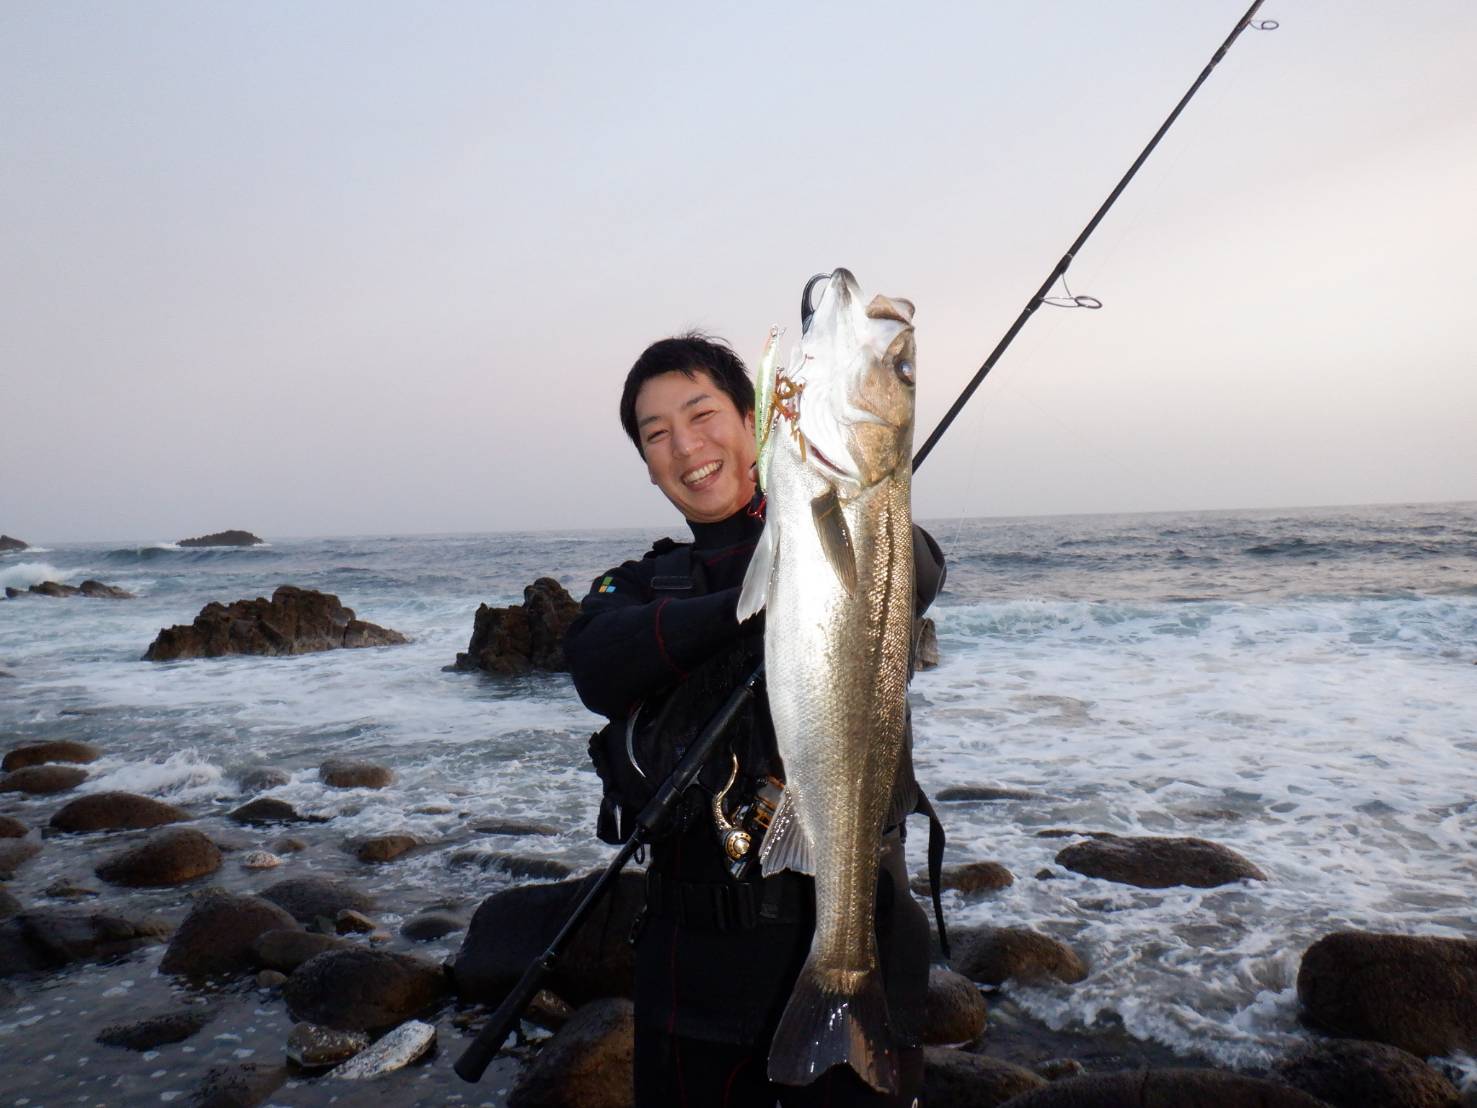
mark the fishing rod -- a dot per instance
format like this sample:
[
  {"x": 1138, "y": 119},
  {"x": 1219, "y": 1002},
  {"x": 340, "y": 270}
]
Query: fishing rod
[{"x": 1060, "y": 269}]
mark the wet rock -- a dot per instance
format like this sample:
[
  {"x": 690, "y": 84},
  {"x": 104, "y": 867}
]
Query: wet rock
[
  {"x": 48, "y": 938},
  {"x": 317, "y": 1048},
  {"x": 548, "y": 1011},
  {"x": 381, "y": 848},
  {"x": 396, "y": 1050},
  {"x": 239, "y": 1085},
  {"x": 265, "y": 810},
  {"x": 217, "y": 936},
  {"x": 262, "y": 778},
  {"x": 349, "y": 773},
  {"x": 954, "y": 1079},
  {"x": 514, "y": 865},
  {"x": 115, "y": 811},
  {"x": 42, "y": 780},
  {"x": 9, "y": 905},
  {"x": 1168, "y": 1088},
  {"x": 513, "y": 927},
  {"x": 222, "y": 538},
  {"x": 270, "y": 979},
  {"x": 260, "y": 859},
  {"x": 287, "y": 948},
  {"x": 294, "y": 621},
  {"x": 309, "y": 899},
  {"x": 983, "y": 792},
  {"x": 100, "y": 591},
  {"x": 63, "y": 889},
  {"x": 992, "y": 955},
  {"x": 1054, "y": 1069},
  {"x": 358, "y": 989},
  {"x": 1418, "y": 993},
  {"x": 49, "y": 588},
  {"x": 431, "y": 925},
  {"x": 350, "y": 922},
  {"x": 164, "y": 858},
  {"x": 955, "y": 1012},
  {"x": 587, "y": 1064},
  {"x": 155, "y": 1031},
  {"x": 522, "y": 638},
  {"x": 12, "y": 828},
  {"x": 289, "y": 845},
  {"x": 1351, "y": 1074},
  {"x": 1158, "y": 863},
  {"x": 512, "y": 827},
  {"x": 969, "y": 878},
  {"x": 15, "y": 853},
  {"x": 8, "y": 544},
  {"x": 925, "y": 644},
  {"x": 59, "y": 750}
]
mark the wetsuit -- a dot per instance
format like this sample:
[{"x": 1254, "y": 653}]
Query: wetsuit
[{"x": 716, "y": 957}]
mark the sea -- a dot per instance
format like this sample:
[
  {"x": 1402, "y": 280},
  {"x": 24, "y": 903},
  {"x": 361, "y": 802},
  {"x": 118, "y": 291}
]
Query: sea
[{"x": 1297, "y": 685}]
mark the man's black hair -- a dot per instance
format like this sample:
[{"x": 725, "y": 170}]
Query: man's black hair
[{"x": 686, "y": 354}]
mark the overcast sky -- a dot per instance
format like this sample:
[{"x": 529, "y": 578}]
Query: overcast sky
[{"x": 347, "y": 268}]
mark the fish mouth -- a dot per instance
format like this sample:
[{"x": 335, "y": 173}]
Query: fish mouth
[
  {"x": 826, "y": 462},
  {"x": 699, "y": 477}
]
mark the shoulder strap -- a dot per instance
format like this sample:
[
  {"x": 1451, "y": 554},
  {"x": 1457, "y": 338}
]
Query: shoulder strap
[{"x": 936, "y": 840}]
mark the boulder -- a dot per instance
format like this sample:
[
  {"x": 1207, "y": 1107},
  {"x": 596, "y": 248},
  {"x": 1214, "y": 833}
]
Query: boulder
[
  {"x": 513, "y": 927},
  {"x": 350, "y": 922},
  {"x": 955, "y": 793},
  {"x": 357, "y": 989},
  {"x": 512, "y": 827},
  {"x": 42, "y": 780},
  {"x": 115, "y": 812},
  {"x": 431, "y": 925},
  {"x": 270, "y": 979},
  {"x": 57, "y": 750},
  {"x": 239, "y": 1085},
  {"x": 9, "y": 905},
  {"x": 268, "y": 809},
  {"x": 954, "y": 1079},
  {"x": 164, "y": 858},
  {"x": 587, "y": 1064},
  {"x": 993, "y": 955},
  {"x": 15, "y": 853},
  {"x": 289, "y": 845},
  {"x": 155, "y": 1031},
  {"x": 47, "y": 938},
  {"x": 309, "y": 899},
  {"x": 1346, "y": 1073},
  {"x": 64, "y": 889},
  {"x": 219, "y": 934},
  {"x": 402, "y": 1046},
  {"x": 8, "y": 544},
  {"x": 954, "y": 1012},
  {"x": 514, "y": 865},
  {"x": 221, "y": 538},
  {"x": 316, "y": 1048},
  {"x": 522, "y": 638},
  {"x": 260, "y": 859},
  {"x": 1158, "y": 863},
  {"x": 287, "y": 948},
  {"x": 1418, "y": 993},
  {"x": 104, "y": 592},
  {"x": 294, "y": 621},
  {"x": 262, "y": 778},
  {"x": 925, "y": 644},
  {"x": 51, "y": 588},
  {"x": 349, "y": 773},
  {"x": 969, "y": 878},
  {"x": 12, "y": 828},
  {"x": 1168, "y": 1088}
]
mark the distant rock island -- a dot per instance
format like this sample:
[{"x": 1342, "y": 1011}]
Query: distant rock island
[
  {"x": 8, "y": 543},
  {"x": 294, "y": 621},
  {"x": 94, "y": 589},
  {"x": 223, "y": 538}
]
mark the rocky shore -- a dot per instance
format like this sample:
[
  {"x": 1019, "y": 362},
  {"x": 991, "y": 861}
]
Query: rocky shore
[{"x": 177, "y": 928}]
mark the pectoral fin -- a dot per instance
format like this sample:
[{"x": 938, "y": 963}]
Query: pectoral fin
[
  {"x": 835, "y": 536},
  {"x": 755, "y": 592},
  {"x": 785, "y": 845}
]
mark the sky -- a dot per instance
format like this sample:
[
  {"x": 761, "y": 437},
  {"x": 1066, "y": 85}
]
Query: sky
[{"x": 370, "y": 268}]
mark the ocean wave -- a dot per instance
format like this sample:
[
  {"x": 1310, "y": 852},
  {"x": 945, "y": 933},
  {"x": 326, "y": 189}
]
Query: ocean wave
[{"x": 26, "y": 574}]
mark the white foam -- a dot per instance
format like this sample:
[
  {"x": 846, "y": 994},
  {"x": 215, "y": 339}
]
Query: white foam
[
  {"x": 183, "y": 776},
  {"x": 25, "y": 574}
]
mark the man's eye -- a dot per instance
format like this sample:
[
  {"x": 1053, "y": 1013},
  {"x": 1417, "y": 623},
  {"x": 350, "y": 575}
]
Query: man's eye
[{"x": 655, "y": 435}]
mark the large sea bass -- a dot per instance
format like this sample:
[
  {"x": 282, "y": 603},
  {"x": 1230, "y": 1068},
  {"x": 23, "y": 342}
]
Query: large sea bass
[{"x": 834, "y": 571}]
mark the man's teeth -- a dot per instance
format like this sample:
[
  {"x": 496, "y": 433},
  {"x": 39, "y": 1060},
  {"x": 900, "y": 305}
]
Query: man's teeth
[{"x": 702, "y": 471}]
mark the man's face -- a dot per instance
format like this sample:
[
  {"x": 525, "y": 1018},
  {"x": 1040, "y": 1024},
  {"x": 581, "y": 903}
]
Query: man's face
[{"x": 699, "y": 448}]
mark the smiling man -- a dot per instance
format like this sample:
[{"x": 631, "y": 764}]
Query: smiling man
[{"x": 657, "y": 649}]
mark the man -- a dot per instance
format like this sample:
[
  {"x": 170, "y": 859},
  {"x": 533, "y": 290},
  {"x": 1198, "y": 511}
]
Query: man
[{"x": 657, "y": 649}]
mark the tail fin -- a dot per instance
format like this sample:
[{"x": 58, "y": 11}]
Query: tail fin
[{"x": 824, "y": 1027}]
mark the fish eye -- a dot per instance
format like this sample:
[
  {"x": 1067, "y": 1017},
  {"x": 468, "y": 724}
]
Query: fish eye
[{"x": 903, "y": 367}]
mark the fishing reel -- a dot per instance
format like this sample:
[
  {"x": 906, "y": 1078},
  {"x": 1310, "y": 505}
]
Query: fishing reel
[{"x": 739, "y": 835}]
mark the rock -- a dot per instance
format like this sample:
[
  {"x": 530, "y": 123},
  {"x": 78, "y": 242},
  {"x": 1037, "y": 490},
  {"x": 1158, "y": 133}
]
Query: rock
[
  {"x": 1054, "y": 1069},
  {"x": 287, "y": 948},
  {"x": 350, "y": 922},
  {"x": 1351, "y": 1074},
  {"x": 983, "y": 792},
  {"x": 270, "y": 979},
  {"x": 48, "y": 938},
  {"x": 347, "y": 773},
  {"x": 970, "y": 878},
  {"x": 358, "y": 989},
  {"x": 52, "y": 588},
  {"x": 58, "y": 750},
  {"x": 289, "y": 845},
  {"x": 12, "y": 828},
  {"x": 925, "y": 644},
  {"x": 155, "y": 1031},
  {"x": 514, "y": 865},
  {"x": 431, "y": 925},
  {"x": 310, "y": 898},
  {"x": 239, "y": 1085},
  {"x": 587, "y": 1064},
  {"x": 381, "y": 848},
  {"x": 513, "y": 927},
  {"x": 100, "y": 591},
  {"x": 63, "y": 889},
  {"x": 260, "y": 859},
  {"x": 955, "y": 1011},
  {"x": 9, "y": 905},
  {"x": 266, "y": 810},
  {"x": 164, "y": 858},
  {"x": 262, "y": 778},
  {"x": 8, "y": 544},
  {"x": 1158, "y": 863},
  {"x": 42, "y": 780},
  {"x": 402, "y": 1046},
  {"x": 512, "y": 827},
  {"x": 115, "y": 812},
  {"x": 222, "y": 538},
  {"x": 1415, "y": 992},
  {"x": 993, "y": 955},
  {"x": 15, "y": 853},
  {"x": 954, "y": 1079},
  {"x": 1168, "y": 1088},
  {"x": 316, "y": 1048},
  {"x": 219, "y": 934},
  {"x": 520, "y": 639},
  {"x": 294, "y": 621}
]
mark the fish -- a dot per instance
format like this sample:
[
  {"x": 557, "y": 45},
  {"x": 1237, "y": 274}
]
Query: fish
[{"x": 833, "y": 572}]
